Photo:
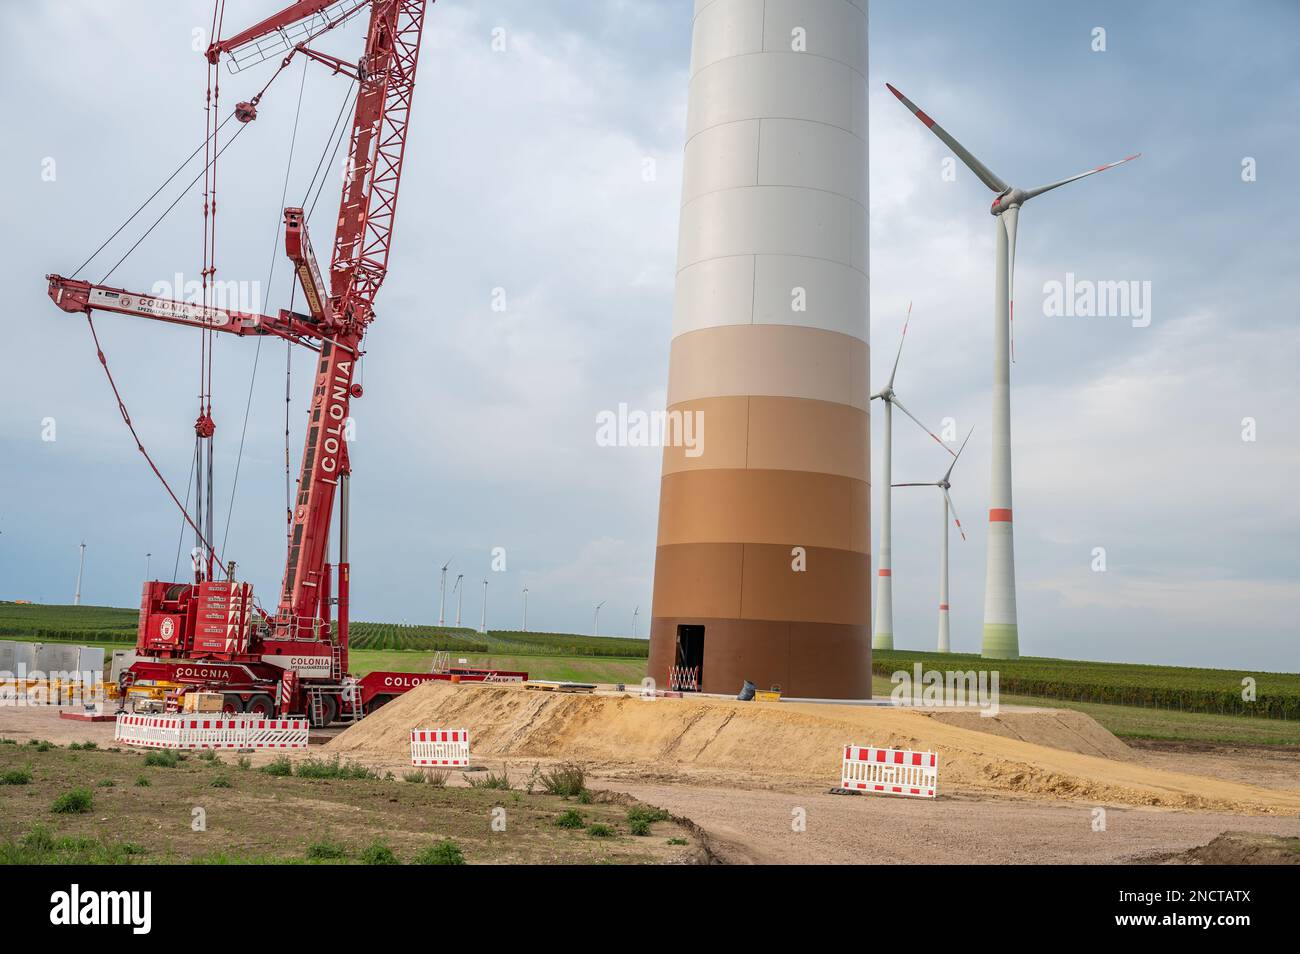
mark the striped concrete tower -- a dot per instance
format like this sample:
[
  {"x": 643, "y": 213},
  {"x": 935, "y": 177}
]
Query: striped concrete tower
[{"x": 763, "y": 562}]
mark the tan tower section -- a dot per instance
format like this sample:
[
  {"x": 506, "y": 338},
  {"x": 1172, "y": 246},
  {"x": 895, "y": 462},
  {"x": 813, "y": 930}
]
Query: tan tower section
[{"x": 763, "y": 563}]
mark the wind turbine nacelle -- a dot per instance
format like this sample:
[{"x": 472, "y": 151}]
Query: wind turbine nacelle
[{"x": 1007, "y": 199}]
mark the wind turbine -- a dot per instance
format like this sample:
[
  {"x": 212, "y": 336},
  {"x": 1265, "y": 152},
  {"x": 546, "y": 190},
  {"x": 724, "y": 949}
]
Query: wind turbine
[
  {"x": 944, "y": 485},
  {"x": 524, "y": 628},
  {"x": 483, "y": 625},
  {"x": 442, "y": 594},
  {"x": 595, "y": 629},
  {"x": 635, "y": 613},
  {"x": 81, "y": 567},
  {"x": 460, "y": 595},
  {"x": 1001, "y": 635},
  {"x": 883, "y": 637}
]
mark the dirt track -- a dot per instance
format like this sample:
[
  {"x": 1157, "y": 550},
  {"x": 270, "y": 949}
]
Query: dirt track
[{"x": 754, "y": 827}]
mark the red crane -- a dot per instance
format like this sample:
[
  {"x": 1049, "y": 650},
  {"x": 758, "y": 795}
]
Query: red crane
[{"x": 207, "y": 634}]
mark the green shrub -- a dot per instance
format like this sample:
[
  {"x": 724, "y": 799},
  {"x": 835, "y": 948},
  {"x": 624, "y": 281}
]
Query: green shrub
[
  {"x": 220, "y": 782},
  {"x": 378, "y": 853},
  {"x": 279, "y": 767},
  {"x": 320, "y": 768},
  {"x": 437, "y": 777},
  {"x": 161, "y": 758},
  {"x": 74, "y": 802},
  {"x": 209, "y": 755},
  {"x": 676, "y": 841},
  {"x": 326, "y": 850},
  {"x": 16, "y": 777},
  {"x": 646, "y": 813},
  {"x": 105, "y": 783},
  {"x": 244, "y": 762},
  {"x": 445, "y": 852},
  {"x": 597, "y": 830},
  {"x": 566, "y": 780},
  {"x": 414, "y": 776},
  {"x": 640, "y": 827},
  {"x": 570, "y": 819},
  {"x": 142, "y": 781},
  {"x": 490, "y": 780}
]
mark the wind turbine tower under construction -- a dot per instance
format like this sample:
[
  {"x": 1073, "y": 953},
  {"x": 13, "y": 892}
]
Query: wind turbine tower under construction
[{"x": 762, "y": 565}]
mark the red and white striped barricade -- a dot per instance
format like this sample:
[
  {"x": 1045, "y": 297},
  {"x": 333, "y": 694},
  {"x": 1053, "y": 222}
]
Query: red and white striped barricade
[
  {"x": 684, "y": 678},
  {"x": 890, "y": 771},
  {"x": 210, "y": 732},
  {"x": 148, "y": 731},
  {"x": 276, "y": 734},
  {"x": 448, "y": 747}
]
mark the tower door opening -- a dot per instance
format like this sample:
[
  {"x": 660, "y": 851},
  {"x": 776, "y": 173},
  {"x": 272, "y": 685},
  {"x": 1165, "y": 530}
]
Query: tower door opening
[{"x": 688, "y": 666}]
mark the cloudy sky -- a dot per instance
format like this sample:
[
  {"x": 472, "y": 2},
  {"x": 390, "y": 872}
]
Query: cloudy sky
[{"x": 527, "y": 172}]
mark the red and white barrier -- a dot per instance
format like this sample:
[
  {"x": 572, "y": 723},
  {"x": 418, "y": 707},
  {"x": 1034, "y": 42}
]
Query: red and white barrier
[
  {"x": 448, "y": 747},
  {"x": 684, "y": 678},
  {"x": 210, "y": 732},
  {"x": 890, "y": 771}
]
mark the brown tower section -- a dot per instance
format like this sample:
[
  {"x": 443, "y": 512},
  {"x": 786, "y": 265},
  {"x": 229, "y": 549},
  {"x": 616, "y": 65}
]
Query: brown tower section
[{"x": 763, "y": 563}]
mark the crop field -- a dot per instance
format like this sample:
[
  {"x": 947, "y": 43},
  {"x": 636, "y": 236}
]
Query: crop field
[
  {"x": 1173, "y": 688},
  {"x": 109, "y": 625}
]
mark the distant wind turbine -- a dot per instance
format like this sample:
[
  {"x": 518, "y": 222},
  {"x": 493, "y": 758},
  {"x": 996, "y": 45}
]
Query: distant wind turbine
[
  {"x": 944, "y": 484},
  {"x": 883, "y": 637},
  {"x": 1001, "y": 633}
]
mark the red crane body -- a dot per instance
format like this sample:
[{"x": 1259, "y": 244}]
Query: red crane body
[{"x": 208, "y": 634}]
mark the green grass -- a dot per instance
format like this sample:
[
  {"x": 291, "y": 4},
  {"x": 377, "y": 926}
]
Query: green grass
[
  {"x": 111, "y": 627},
  {"x": 1136, "y": 722},
  {"x": 1175, "y": 688}
]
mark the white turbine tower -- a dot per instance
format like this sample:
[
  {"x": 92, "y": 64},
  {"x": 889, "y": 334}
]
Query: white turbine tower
[
  {"x": 76, "y": 599},
  {"x": 944, "y": 484},
  {"x": 1001, "y": 636},
  {"x": 460, "y": 595},
  {"x": 442, "y": 594},
  {"x": 483, "y": 625},
  {"x": 883, "y": 636},
  {"x": 524, "y": 627},
  {"x": 595, "y": 628}
]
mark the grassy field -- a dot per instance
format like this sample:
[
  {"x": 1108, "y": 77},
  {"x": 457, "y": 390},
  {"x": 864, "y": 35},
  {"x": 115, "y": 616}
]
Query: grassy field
[
  {"x": 1175, "y": 688},
  {"x": 1136, "y": 722},
  {"x": 59, "y": 805},
  {"x": 96, "y": 625}
]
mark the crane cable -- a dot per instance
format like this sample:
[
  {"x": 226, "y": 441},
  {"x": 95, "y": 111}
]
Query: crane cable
[{"x": 270, "y": 274}]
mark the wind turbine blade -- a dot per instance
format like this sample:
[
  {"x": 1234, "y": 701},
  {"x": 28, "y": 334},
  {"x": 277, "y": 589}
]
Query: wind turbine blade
[
  {"x": 1010, "y": 219},
  {"x": 958, "y": 454},
  {"x": 902, "y": 338},
  {"x": 898, "y": 404},
  {"x": 1053, "y": 185},
  {"x": 982, "y": 171},
  {"x": 927, "y": 484},
  {"x": 955, "y": 519}
]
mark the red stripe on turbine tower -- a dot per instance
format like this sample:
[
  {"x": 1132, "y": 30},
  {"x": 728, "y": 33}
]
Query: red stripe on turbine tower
[
  {"x": 1000, "y": 515},
  {"x": 885, "y": 572}
]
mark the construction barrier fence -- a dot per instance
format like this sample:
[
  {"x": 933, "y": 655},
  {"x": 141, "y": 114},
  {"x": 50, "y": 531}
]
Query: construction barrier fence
[
  {"x": 448, "y": 747},
  {"x": 890, "y": 771},
  {"x": 217, "y": 731}
]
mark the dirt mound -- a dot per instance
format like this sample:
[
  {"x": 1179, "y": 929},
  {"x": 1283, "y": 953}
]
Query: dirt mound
[
  {"x": 1056, "y": 728},
  {"x": 1244, "y": 848},
  {"x": 762, "y": 744}
]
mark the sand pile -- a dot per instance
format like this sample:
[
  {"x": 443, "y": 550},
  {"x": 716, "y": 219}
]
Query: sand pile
[{"x": 765, "y": 744}]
